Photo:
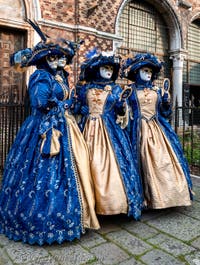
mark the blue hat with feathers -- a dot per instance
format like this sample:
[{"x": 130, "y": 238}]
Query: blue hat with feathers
[
  {"x": 46, "y": 47},
  {"x": 42, "y": 50},
  {"x": 69, "y": 48},
  {"x": 20, "y": 58},
  {"x": 96, "y": 59},
  {"x": 130, "y": 66}
]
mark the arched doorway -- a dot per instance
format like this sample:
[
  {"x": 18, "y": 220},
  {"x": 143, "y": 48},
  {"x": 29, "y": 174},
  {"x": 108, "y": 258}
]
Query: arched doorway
[
  {"x": 152, "y": 26},
  {"x": 144, "y": 30}
]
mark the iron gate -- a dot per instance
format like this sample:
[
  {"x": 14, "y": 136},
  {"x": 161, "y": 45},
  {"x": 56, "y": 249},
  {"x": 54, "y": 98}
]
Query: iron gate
[
  {"x": 11, "y": 117},
  {"x": 187, "y": 126},
  {"x": 12, "y": 90}
]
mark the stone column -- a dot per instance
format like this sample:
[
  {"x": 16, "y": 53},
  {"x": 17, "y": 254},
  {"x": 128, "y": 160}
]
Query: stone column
[{"x": 178, "y": 58}]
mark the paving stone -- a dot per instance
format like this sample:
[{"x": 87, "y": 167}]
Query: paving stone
[
  {"x": 197, "y": 193},
  {"x": 95, "y": 263},
  {"x": 109, "y": 254},
  {"x": 192, "y": 211},
  {"x": 181, "y": 226},
  {"x": 193, "y": 259},
  {"x": 129, "y": 242},
  {"x": 196, "y": 243},
  {"x": 43, "y": 261},
  {"x": 171, "y": 245},
  {"x": 140, "y": 229},
  {"x": 4, "y": 240},
  {"x": 4, "y": 260},
  {"x": 158, "y": 257},
  {"x": 91, "y": 239},
  {"x": 195, "y": 180},
  {"x": 23, "y": 253},
  {"x": 71, "y": 254},
  {"x": 131, "y": 261}
]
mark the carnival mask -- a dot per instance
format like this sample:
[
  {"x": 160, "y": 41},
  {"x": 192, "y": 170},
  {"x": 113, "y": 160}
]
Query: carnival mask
[
  {"x": 106, "y": 71},
  {"x": 52, "y": 61},
  {"x": 62, "y": 62},
  {"x": 145, "y": 73}
]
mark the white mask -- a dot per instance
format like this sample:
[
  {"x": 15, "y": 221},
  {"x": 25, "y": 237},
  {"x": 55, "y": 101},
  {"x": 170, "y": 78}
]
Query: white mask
[
  {"x": 52, "y": 61},
  {"x": 62, "y": 62},
  {"x": 145, "y": 73},
  {"x": 106, "y": 71}
]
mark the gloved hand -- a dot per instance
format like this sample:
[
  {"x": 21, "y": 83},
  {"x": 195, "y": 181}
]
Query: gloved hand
[
  {"x": 165, "y": 97},
  {"x": 84, "y": 110},
  {"x": 66, "y": 104}
]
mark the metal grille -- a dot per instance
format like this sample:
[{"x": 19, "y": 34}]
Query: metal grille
[
  {"x": 189, "y": 135},
  {"x": 11, "y": 117},
  {"x": 143, "y": 30},
  {"x": 192, "y": 67},
  {"x": 12, "y": 91}
]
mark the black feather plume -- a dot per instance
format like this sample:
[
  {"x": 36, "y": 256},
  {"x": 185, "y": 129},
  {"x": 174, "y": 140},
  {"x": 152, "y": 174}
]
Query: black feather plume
[{"x": 37, "y": 29}]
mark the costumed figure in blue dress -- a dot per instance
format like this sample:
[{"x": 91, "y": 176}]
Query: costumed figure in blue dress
[
  {"x": 47, "y": 194},
  {"x": 163, "y": 168},
  {"x": 117, "y": 184}
]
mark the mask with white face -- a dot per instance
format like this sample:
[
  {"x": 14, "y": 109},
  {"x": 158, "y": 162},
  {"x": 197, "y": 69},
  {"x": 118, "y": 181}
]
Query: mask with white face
[
  {"x": 52, "y": 61},
  {"x": 145, "y": 73},
  {"x": 62, "y": 62},
  {"x": 106, "y": 71}
]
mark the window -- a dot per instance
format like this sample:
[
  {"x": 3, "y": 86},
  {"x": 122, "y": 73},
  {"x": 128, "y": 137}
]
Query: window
[
  {"x": 192, "y": 65},
  {"x": 143, "y": 30}
]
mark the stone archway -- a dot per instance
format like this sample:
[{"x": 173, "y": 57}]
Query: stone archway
[
  {"x": 171, "y": 19},
  {"x": 176, "y": 45}
]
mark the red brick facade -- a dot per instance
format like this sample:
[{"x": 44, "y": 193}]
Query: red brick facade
[{"x": 94, "y": 21}]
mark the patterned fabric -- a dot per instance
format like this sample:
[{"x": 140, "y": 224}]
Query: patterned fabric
[
  {"x": 40, "y": 197},
  {"x": 118, "y": 138},
  {"x": 162, "y": 112}
]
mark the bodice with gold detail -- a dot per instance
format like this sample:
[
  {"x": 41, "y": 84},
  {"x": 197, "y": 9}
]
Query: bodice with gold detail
[
  {"x": 65, "y": 89},
  {"x": 96, "y": 99},
  {"x": 147, "y": 99}
]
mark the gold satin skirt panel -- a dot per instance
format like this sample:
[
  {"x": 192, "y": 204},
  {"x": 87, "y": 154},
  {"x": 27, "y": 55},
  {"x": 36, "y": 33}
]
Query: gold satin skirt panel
[
  {"x": 81, "y": 156},
  {"x": 109, "y": 189},
  {"x": 164, "y": 181}
]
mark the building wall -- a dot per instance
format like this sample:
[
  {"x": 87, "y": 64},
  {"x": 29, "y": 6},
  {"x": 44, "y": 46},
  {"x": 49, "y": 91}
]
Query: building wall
[{"x": 94, "y": 21}]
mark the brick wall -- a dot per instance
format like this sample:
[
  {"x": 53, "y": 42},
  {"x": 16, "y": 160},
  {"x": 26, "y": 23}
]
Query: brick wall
[{"x": 58, "y": 10}]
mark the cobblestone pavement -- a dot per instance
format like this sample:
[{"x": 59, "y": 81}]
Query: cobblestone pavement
[{"x": 162, "y": 237}]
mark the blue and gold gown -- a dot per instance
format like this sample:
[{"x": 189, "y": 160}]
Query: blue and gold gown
[
  {"x": 163, "y": 168},
  {"x": 47, "y": 197},
  {"x": 117, "y": 184}
]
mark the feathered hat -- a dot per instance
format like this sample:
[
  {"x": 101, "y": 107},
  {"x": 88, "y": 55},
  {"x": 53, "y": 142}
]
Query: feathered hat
[
  {"x": 69, "y": 48},
  {"x": 94, "y": 60},
  {"x": 20, "y": 58},
  {"x": 45, "y": 47},
  {"x": 130, "y": 66},
  {"x": 27, "y": 57}
]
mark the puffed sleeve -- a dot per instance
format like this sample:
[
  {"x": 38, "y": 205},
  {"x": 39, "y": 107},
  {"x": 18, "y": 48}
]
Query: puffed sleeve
[
  {"x": 119, "y": 103},
  {"x": 121, "y": 108},
  {"x": 40, "y": 89},
  {"x": 81, "y": 91}
]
